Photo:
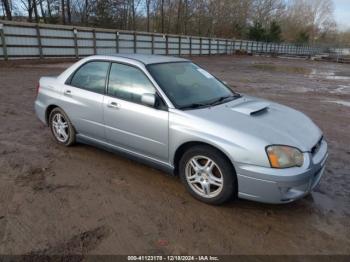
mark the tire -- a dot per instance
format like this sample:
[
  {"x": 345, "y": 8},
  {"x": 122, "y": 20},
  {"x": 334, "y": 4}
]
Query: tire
[
  {"x": 208, "y": 175},
  {"x": 61, "y": 127}
]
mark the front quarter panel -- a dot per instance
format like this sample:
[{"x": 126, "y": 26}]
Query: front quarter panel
[{"x": 238, "y": 147}]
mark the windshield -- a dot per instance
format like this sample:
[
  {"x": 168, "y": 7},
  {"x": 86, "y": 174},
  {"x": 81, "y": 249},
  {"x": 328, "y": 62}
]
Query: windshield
[{"x": 189, "y": 86}]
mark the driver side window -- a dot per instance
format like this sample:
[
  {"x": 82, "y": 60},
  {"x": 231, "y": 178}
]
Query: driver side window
[{"x": 128, "y": 83}]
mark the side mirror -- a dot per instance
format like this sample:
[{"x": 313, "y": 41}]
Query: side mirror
[{"x": 148, "y": 99}]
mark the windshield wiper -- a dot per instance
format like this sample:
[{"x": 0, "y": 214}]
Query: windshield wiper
[
  {"x": 211, "y": 103},
  {"x": 224, "y": 98},
  {"x": 194, "y": 106}
]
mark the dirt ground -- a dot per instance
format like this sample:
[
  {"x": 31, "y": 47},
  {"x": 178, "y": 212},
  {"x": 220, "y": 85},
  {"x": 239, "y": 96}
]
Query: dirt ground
[{"x": 82, "y": 200}]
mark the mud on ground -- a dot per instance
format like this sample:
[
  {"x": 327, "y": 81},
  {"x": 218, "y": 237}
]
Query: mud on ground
[{"x": 82, "y": 200}]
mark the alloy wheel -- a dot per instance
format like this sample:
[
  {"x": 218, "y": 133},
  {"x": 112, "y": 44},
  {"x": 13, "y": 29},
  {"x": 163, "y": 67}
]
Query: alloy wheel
[
  {"x": 60, "y": 127},
  {"x": 204, "y": 176}
]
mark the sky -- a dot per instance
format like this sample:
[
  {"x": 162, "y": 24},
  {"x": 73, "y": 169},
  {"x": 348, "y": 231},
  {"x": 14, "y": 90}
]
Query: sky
[{"x": 342, "y": 13}]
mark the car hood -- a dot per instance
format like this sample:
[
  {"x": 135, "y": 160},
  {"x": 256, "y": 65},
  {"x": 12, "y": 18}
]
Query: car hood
[{"x": 270, "y": 122}]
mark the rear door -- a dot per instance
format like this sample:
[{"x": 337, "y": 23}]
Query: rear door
[
  {"x": 130, "y": 124},
  {"x": 83, "y": 98}
]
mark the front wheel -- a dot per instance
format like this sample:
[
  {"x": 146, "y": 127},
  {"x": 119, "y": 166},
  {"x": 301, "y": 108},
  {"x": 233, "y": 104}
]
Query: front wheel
[
  {"x": 61, "y": 127},
  {"x": 208, "y": 175}
]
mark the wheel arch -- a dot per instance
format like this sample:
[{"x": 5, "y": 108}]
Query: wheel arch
[
  {"x": 48, "y": 112},
  {"x": 185, "y": 146}
]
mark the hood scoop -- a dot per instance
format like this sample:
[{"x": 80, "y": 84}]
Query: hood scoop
[{"x": 251, "y": 108}]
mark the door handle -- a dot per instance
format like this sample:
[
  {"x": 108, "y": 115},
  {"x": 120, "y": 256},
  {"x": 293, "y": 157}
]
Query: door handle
[
  {"x": 114, "y": 105},
  {"x": 67, "y": 92}
]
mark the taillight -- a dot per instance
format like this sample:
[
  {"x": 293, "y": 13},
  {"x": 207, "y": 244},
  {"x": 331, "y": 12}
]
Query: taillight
[{"x": 37, "y": 88}]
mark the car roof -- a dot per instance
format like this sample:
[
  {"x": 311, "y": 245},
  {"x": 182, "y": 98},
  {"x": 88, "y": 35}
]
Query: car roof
[{"x": 151, "y": 59}]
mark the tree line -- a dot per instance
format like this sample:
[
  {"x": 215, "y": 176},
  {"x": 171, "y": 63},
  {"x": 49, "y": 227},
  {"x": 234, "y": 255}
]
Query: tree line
[{"x": 302, "y": 21}]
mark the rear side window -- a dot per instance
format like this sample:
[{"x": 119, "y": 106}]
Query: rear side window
[
  {"x": 128, "y": 83},
  {"x": 91, "y": 76}
]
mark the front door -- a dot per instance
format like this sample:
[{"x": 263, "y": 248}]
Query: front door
[{"x": 130, "y": 124}]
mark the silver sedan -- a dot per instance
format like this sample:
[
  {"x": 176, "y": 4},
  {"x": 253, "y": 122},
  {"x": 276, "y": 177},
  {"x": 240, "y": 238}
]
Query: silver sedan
[{"x": 174, "y": 115}]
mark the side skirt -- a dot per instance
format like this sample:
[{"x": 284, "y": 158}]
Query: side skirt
[{"x": 162, "y": 166}]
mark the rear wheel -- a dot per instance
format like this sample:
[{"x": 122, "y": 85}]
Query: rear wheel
[
  {"x": 61, "y": 127},
  {"x": 208, "y": 175}
]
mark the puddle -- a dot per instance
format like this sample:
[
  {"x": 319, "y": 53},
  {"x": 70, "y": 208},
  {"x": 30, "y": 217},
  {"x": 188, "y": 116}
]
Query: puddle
[
  {"x": 341, "y": 89},
  {"x": 301, "y": 89},
  {"x": 329, "y": 75},
  {"x": 339, "y": 102},
  {"x": 283, "y": 68}
]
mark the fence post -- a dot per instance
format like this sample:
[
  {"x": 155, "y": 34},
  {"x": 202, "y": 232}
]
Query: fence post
[
  {"x": 75, "y": 33},
  {"x": 166, "y": 44},
  {"x": 135, "y": 40},
  {"x": 209, "y": 39},
  {"x": 117, "y": 42},
  {"x": 217, "y": 47},
  {"x": 200, "y": 46},
  {"x": 190, "y": 45},
  {"x": 94, "y": 40},
  {"x": 179, "y": 45},
  {"x": 264, "y": 47},
  {"x": 226, "y": 47},
  {"x": 4, "y": 48},
  {"x": 152, "y": 44},
  {"x": 38, "y": 36}
]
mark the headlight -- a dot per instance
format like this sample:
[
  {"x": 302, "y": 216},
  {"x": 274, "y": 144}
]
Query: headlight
[{"x": 284, "y": 156}]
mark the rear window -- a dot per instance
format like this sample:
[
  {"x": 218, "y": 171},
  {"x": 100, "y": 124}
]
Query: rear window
[{"x": 91, "y": 76}]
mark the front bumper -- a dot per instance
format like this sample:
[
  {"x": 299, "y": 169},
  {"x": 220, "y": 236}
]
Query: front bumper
[{"x": 277, "y": 186}]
